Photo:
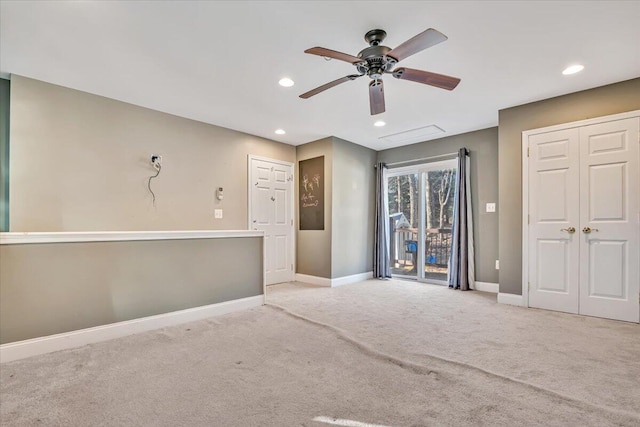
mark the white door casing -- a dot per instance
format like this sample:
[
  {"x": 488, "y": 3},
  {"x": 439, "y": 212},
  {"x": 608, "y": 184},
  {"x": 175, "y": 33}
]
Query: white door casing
[
  {"x": 553, "y": 220},
  {"x": 271, "y": 211},
  {"x": 603, "y": 154},
  {"x": 609, "y": 206}
]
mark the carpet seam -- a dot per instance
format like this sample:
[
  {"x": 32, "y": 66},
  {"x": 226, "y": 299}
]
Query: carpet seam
[{"x": 420, "y": 369}]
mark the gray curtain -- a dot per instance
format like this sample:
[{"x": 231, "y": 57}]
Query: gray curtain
[
  {"x": 461, "y": 262},
  {"x": 381, "y": 267}
]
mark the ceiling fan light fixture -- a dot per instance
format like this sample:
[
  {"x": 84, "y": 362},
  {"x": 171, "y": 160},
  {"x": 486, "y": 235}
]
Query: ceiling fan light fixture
[
  {"x": 572, "y": 69},
  {"x": 280, "y": 131},
  {"x": 286, "y": 82},
  {"x": 379, "y": 123}
]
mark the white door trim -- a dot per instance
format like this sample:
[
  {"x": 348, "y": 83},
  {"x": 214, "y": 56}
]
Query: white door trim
[
  {"x": 525, "y": 184},
  {"x": 292, "y": 247}
]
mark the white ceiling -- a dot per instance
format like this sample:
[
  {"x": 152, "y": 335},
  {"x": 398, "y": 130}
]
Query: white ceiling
[{"x": 220, "y": 62}]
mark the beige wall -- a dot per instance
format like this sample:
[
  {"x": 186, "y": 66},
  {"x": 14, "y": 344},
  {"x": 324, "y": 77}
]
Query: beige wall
[
  {"x": 353, "y": 201},
  {"x": 59, "y": 287},
  {"x": 314, "y": 246},
  {"x": 483, "y": 147},
  {"x": 81, "y": 162},
  {"x": 602, "y": 101}
]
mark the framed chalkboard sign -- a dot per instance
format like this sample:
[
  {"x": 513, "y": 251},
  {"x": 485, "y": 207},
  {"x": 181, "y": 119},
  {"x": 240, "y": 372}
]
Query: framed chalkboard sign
[{"x": 311, "y": 191}]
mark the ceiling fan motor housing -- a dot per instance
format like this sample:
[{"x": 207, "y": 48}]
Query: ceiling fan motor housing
[{"x": 376, "y": 61}]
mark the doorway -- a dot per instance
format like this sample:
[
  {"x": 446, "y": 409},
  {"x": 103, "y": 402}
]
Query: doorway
[
  {"x": 421, "y": 199},
  {"x": 271, "y": 211}
]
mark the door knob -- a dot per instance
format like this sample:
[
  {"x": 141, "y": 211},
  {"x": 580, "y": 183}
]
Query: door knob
[
  {"x": 273, "y": 199},
  {"x": 569, "y": 230},
  {"x": 588, "y": 230}
]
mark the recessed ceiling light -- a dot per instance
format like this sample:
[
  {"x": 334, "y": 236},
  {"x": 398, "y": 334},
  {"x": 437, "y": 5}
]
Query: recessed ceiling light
[
  {"x": 280, "y": 132},
  {"x": 286, "y": 82},
  {"x": 379, "y": 123},
  {"x": 573, "y": 69}
]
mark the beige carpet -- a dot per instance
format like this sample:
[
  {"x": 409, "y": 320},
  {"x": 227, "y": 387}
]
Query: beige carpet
[
  {"x": 362, "y": 352},
  {"x": 590, "y": 359}
]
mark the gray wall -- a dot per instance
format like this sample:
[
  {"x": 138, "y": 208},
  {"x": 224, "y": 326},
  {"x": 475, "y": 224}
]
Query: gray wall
[
  {"x": 59, "y": 287},
  {"x": 4, "y": 154},
  {"x": 81, "y": 162},
  {"x": 353, "y": 208},
  {"x": 314, "y": 246},
  {"x": 483, "y": 147},
  {"x": 602, "y": 101},
  {"x": 345, "y": 246}
]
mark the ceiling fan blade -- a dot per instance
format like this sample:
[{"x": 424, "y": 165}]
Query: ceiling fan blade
[
  {"x": 376, "y": 97},
  {"x": 417, "y": 43},
  {"x": 329, "y": 85},
  {"x": 426, "y": 77},
  {"x": 321, "y": 51}
]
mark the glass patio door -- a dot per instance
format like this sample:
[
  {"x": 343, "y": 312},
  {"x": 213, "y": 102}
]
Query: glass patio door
[
  {"x": 420, "y": 217},
  {"x": 404, "y": 223}
]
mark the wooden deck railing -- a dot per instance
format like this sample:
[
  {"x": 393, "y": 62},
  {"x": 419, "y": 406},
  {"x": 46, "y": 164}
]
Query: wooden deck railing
[{"x": 437, "y": 246}]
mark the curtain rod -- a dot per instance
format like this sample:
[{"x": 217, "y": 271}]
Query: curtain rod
[{"x": 422, "y": 159}]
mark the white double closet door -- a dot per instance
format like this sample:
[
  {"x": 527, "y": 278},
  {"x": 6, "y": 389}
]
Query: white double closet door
[{"x": 584, "y": 215}]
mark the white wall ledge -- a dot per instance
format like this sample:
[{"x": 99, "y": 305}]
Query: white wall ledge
[{"x": 18, "y": 238}]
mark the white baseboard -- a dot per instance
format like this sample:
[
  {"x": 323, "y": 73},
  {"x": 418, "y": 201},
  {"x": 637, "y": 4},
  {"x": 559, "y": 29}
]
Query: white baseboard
[
  {"x": 32, "y": 347},
  {"x": 487, "y": 287},
  {"x": 332, "y": 283},
  {"x": 354, "y": 278},
  {"x": 313, "y": 280},
  {"x": 510, "y": 299}
]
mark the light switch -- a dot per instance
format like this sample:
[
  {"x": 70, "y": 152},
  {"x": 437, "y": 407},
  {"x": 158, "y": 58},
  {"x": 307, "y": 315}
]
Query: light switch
[
  {"x": 491, "y": 207},
  {"x": 218, "y": 213}
]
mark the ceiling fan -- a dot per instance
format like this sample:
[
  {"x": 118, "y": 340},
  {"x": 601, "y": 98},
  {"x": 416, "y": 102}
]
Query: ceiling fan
[{"x": 377, "y": 60}]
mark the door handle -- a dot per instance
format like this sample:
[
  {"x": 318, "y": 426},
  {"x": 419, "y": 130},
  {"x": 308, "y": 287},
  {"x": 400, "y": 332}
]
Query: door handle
[
  {"x": 273, "y": 199},
  {"x": 588, "y": 230},
  {"x": 570, "y": 230}
]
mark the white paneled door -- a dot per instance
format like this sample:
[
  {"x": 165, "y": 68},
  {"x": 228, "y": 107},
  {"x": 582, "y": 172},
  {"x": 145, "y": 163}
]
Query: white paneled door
[
  {"x": 609, "y": 209},
  {"x": 584, "y": 215},
  {"x": 271, "y": 211},
  {"x": 553, "y": 220}
]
